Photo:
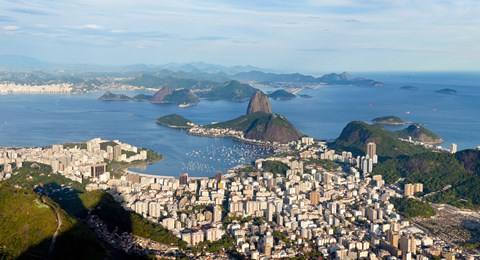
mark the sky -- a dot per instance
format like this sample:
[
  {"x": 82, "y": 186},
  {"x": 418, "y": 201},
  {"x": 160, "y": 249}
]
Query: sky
[{"x": 295, "y": 36}]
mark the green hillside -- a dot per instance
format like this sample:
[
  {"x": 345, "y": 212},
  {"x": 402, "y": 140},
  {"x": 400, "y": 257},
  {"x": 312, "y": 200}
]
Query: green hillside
[
  {"x": 232, "y": 90},
  {"x": 356, "y": 135},
  {"x": 27, "y": 225},
  {"x": 389, "y": 120},
  {"x": 436, "y": 171},
  {"x": 281, "y": 94},
  {"x": 174, "y": 121},
  {"x": 419, "y": 133},
  {"x": 263, "y": 126}
]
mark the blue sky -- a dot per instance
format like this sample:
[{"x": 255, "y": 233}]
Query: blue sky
[{"x": 305, "y": 36}]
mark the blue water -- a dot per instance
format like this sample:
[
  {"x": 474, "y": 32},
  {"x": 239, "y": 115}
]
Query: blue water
[{"x": 40, "y": 120}]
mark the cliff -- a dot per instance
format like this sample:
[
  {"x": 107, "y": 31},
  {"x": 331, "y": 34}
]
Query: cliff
[
  {"x": 159, "y": 96},
  {"x": 259, "y": 103}
]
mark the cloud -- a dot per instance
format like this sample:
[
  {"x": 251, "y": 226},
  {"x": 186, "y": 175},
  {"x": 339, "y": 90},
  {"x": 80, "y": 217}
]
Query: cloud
[
  {"x": 10, "y": 28},
  {"x": 91, "y": 26}
]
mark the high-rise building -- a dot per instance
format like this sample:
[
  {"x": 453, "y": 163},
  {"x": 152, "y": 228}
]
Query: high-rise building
[
  {"x": 314, "y": 197},
  {"x": 371, "y": 149},
  {"x": 407, "y": 244},
  {"x": 183, "y": 178},
  {"x": 117, "y": 152},
  {"x": 218, "y": 176},
  {"x": 217, "y": 214},
  {"x": 453, "y": 148},
  {"x": 409, "y": 189}
]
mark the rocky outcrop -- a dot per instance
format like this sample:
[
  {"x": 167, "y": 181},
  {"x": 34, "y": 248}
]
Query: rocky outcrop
[
  {"x": 259, "y": 103},
  {"x": 160, "y": 96}
]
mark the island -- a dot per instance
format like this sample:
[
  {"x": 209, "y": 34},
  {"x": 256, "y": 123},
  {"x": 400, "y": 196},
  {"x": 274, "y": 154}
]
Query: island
[
  {"x": 259, "y": 126},
  {"x": 281, "y": 94},
  {"x": 447, "y": 91},
  {"x": 389, "y": 120},
  {"x": 109, "y": 96},
  {"x": 175, "y": 121}
]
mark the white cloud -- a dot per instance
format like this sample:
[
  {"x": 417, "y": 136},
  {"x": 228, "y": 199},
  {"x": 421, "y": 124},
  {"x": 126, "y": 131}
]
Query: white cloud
[
  {"x": 10, "y": 28},
  {"x": 92, "y": 26}
]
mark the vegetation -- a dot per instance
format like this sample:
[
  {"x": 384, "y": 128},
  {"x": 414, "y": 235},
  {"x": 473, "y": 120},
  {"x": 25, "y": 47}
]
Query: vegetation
[
  {"x": 109, "y": 96},
  {"x": 356, "y": 135},
  {"x": 28, "y": 222},
  {"x": 277, "y": 168},
  {"x": 142, "y": 97},
  {"x": 412, "y": 208},
  {"x": 439, "y": 172},
  {"x": 263, "y": 126},
  {"x": 281, "y": 94},
  {"x": 389, "y": 120},
  {"x": 419, "y": 133},
  {"x": 174, "y": 121},
  {"x": 232, "y": 90},
  {"x": 328, "y": 165},
  {"x": 181, "y": 96}
]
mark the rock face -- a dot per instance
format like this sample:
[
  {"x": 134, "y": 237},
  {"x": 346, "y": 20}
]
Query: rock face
[
  {"x": 273, "y": 128},
  {"x": 259, "y": 103},
  {"x": 160, "y": 96}
]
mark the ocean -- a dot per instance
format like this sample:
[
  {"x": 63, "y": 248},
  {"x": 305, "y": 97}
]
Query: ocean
[{"x": 41, "y": 120}]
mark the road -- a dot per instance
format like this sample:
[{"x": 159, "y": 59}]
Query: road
[{"x": 59, "y": 225}]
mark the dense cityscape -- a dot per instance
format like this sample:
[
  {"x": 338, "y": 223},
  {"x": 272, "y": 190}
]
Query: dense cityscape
[{"x": 318, "y": 203}]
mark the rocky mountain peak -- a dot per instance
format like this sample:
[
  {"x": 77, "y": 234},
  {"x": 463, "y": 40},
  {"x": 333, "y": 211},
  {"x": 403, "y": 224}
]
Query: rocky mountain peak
[{"x": 259, "y": 103}]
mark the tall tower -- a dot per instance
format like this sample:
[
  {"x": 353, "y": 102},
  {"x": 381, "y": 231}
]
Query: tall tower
[{"x": 371, "y": 149}]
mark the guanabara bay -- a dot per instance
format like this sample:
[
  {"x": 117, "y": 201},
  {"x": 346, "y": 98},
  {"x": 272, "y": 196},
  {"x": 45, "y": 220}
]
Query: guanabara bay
[{"x": 240, "y": 130}]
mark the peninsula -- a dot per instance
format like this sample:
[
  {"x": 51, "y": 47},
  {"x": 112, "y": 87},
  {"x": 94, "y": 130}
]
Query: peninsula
[{"x": 258, "y": 126}]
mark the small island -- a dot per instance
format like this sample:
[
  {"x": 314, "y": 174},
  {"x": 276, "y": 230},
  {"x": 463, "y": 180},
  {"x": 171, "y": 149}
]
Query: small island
[
  {"x": 389, "y": 120},
  {"x": 305, "y": 96},
  {"x": 281, "y": 94},
  {"x": 447, "y": 91},
  {"x": 175, "y": 121},
  {"x": 109, "y": 96}
]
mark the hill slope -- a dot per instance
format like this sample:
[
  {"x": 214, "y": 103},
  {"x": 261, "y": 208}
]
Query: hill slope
[
  {"x": 356, "y": 135},
  {"x": 419, "y": 133},
  {"x": 28, "y": 223},
  {"x": 263, "y": 126},
  {"x": 281, "y": 94},
  {"x": 174, "y": 121},
  {"x": 232, "y": 90}
]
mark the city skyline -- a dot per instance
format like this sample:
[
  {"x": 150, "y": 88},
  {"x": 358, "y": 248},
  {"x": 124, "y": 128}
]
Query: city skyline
[{"x": 308, "y": 36}]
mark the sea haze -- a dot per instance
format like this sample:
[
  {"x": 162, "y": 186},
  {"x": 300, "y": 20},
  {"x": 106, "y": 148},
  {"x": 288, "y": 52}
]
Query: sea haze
[{"x": 39, "y": 120}]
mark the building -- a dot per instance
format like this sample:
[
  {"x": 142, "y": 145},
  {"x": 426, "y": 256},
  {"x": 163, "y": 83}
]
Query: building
[
  {"x": 218, "y": 176},
  {"x": 117, "y": 152},
  {"x": 371, "y": 149},
  {"x": 409, "y": 189},
  {"x": 314, "y": 197},
  {"x": 217, "y": 214},
  {"x": 183, "y": 178},
  {"x": 98, "y": 169},
  {"x": 453, "y": 148}
]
